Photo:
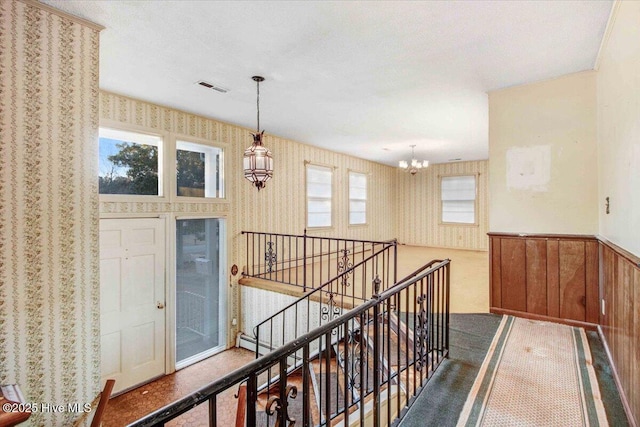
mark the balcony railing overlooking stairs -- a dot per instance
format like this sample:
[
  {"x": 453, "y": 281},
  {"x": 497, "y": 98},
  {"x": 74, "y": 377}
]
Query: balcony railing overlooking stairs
[
  {"x": 362, "y": 368},
  {"x": 309, "y": 261},
  {"x": 350, "y": 288}
]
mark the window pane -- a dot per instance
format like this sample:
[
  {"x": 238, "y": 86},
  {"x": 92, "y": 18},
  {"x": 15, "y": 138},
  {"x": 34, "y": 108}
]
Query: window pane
[
  {"x": 461, "y": 211},
  {"x": 319, "y": 193},
  {"x": 190, "y": 173},
  {"x": 128, "y": 163},
  {"x": 458, "y": 195},
  {"x": 459, "y": 187},
  {"x": 357, "y": 206},
  {"x": 198, "y": 170},
  {"x": 199, "y": 292},
  {"x": 318, "y": 174},
  {"x": 319, "y": 220},
  {"x": 318, "y": 190},
  {"x": 319, "y": 206},
  {"x": 357, "y": 179},
  {"x": 358, "y": 193},
  {"x": 357, "y": 218},
  {"x": 357, "y": 198}
]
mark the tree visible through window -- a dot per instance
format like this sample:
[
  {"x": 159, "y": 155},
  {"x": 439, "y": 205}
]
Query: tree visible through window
[
  {"x": 129, "y": 163},
  {"x": 190, "y": 173},
  {"x": 199, "y": 170}
]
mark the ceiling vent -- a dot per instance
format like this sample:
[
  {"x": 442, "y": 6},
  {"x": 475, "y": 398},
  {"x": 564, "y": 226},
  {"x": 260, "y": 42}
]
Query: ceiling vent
[{"x": 212, "y": 86}]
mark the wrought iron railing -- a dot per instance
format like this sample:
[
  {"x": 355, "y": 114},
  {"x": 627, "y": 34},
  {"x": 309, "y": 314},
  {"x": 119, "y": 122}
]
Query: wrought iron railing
[
  {"x": 304, "y": 260},
  {"x": 328, "y": 301},
  {"x": 383, "y": 364}
]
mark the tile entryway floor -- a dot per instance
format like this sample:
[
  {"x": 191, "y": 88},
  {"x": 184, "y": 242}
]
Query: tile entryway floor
[{"x": 135, "y": 404}]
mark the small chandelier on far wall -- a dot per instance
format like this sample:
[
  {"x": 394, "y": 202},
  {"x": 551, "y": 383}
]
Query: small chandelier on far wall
[
  {"x": 414, "y": 166},
  {"x": 257, "y": 161}
]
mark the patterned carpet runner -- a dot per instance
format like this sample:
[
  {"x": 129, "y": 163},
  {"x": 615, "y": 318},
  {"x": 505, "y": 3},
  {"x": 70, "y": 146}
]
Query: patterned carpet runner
[{"x": 535, "y": 374}]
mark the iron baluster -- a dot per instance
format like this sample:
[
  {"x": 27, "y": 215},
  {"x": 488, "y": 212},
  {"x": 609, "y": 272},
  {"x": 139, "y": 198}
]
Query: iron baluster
[
  {"x": 270, "y": 257},
  {"x": 422, "y": 333},
  {"x": 350, "y": 358},
  {"x": 344, "y": 266}
]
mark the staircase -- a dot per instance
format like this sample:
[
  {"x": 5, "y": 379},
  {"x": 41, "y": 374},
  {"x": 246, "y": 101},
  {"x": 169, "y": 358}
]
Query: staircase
[
  {"x": 340, "y": 377},
  {"x": 334, "y": 357}
]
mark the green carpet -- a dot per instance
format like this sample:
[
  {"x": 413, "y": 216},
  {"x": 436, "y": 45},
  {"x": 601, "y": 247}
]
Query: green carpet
[{"x": 443, "y": 398}]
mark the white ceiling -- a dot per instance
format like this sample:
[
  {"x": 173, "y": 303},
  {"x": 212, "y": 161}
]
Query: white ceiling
[{"x": 364, "y": 78}]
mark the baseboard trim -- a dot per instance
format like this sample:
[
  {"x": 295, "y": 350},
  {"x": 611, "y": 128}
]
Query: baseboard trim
[
  {"x": 616, "y": 378},
  {"x": 588, "y": 326}
]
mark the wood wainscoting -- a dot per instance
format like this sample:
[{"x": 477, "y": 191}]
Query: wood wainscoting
[
  {"x": 564, "y": 278},
  {"x": 552, "y": 277},
  {"x": 620, "y": 324}
]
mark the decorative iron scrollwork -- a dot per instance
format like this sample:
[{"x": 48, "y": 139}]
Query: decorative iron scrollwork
[
  {"x": 422, "y": 333},
  {"x": 282, "y": 408},
  {"x": 331, "y": 310},
  {"x": 352, "y": 345},
  {"x": 344, "y": 264},
  {"x": 270, "y": 257}
]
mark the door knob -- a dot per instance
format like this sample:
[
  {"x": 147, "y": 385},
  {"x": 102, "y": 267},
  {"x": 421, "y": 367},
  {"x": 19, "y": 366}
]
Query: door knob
[{"x": 160, "y": 305}]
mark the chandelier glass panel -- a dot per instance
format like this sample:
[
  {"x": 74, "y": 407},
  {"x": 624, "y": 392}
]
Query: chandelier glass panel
[{"x": 258, "y": 162}]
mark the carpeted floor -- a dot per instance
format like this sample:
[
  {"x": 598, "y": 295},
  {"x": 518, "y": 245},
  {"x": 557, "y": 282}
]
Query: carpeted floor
[{"x": 441, "y": 402}]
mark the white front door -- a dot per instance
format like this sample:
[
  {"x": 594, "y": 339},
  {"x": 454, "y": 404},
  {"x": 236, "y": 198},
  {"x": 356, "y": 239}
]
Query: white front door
[{"x": 132, "y": 299}]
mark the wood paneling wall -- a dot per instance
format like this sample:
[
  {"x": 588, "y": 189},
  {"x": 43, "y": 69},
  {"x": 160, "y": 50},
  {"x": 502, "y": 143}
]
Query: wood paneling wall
[
  {"x": 620, "y": 284},
  {"x": 545, "y": 276}
]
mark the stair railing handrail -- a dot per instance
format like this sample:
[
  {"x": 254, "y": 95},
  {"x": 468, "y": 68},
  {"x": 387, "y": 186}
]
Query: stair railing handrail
[
  {"x": 320, "y": 288},
  {"x": 417, "y": 271},
  {"x": 249, "y": 372},
  {"x": 340, "y": 239},
  {"x": 270, "y": 255}
]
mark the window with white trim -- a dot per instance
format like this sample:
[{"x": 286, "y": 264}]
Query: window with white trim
[
  {"x": 129, "y": 163},
  {"x": 458, "y": 196},
  {"x": 199, "y": 170},
  {"x": 319, "y": 195},
  {"x": 357, "y": 198}
]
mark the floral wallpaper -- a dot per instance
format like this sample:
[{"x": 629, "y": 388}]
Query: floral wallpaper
[{"x": 49, "y": 279}]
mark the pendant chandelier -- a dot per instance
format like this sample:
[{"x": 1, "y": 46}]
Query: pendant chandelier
[
  {"x": 415, "y": 165},
  {"x": 257, "y": 161}
]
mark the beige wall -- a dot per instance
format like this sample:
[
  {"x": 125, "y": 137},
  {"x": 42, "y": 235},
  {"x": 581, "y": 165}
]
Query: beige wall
[
  {"x": 278, "y": 208},
  {"x": 419, "y": 208},
  {"x": 49, "y": 280},
  {"x": 619, "y": 128},
  {"x": 542, "y": 146}
]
